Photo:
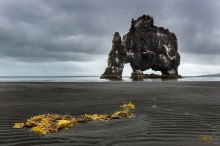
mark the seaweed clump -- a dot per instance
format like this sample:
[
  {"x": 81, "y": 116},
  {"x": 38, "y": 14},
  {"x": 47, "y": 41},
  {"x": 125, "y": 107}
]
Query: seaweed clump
[{"x": 51, "y": 123}]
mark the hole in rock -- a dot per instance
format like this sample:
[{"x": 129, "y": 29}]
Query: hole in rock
[{"x": 127, "y": 71}]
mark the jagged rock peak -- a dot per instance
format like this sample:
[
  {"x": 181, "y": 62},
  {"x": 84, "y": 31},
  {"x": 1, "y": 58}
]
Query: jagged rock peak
[{"x": 142, "y": 22}]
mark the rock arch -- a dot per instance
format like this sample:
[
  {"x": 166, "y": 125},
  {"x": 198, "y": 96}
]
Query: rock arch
[{"x": 145, "y": 46}]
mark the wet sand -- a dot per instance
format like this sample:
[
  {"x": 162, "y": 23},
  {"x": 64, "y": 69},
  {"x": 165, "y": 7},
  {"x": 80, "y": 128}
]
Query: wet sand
[{"x": 184, "y": 111}]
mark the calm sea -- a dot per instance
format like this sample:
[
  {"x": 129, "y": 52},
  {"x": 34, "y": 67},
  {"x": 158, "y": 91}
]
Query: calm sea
[{"x": 89, "y": 79}]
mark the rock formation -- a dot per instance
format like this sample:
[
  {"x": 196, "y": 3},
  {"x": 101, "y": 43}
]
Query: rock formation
[{"x": 145, "y": 46}]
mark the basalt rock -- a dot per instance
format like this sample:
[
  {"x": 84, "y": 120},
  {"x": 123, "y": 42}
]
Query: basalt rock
[
  {"x": 156, "y": 76},
  {"x": 145, "y": 46}
]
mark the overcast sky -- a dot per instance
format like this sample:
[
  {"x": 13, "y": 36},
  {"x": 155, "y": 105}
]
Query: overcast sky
[{"x": 73, "y": 37}]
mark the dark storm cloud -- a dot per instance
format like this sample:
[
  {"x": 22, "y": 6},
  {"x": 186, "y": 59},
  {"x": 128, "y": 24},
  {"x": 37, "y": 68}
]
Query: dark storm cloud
[
  {"x": 196, "y": 24},
  {"x": 81, "y": 30},
  {"x": 42, "y": 31}
]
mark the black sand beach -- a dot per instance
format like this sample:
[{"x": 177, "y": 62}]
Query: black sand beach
[{"x": 184, "y": 112}]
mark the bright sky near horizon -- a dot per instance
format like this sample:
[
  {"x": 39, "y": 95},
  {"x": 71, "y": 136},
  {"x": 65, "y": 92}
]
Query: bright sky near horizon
[{"x": 74, "y": 37}]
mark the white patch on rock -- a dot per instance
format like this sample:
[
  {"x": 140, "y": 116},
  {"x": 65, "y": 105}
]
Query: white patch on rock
[
  {"x": 138, "y": 23},
  {"x": 172, "y": 71},
  {"x": 130, "y": 54},
  {"x": 162, "y": 57},
  {"x": 116, "y": 59},
  {"x": 160, "y": 34},
  {"x": 168, "y": 52},
  {"x": 159, "y": 44},
  {"x": 147, "y": 51}
]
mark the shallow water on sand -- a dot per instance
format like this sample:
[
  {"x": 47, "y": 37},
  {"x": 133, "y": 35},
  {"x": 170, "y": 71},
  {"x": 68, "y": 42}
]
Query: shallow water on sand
[{"x": 90, "y": 79}]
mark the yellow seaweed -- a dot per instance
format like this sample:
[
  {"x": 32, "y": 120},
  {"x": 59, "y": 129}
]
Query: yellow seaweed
[
  {"x": 129, "y": 105},
  {"x": 48, "y": 123},
  {"x": 39, "y": 130},
  {"x": 18, "y": 125},
  {"x": 103, "y": 117},
  {"x": 87, "y": 116},
  {"x": 64, "y": 124},
  {"x": 122, "y": 114}
]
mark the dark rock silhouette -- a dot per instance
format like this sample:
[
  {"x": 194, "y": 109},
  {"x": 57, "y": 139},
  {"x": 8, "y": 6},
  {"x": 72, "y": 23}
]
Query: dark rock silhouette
[{"x": 145, "y": 46}]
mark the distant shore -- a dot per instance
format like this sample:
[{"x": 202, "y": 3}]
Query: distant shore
[
  {"x": 167, "y": 113},
  {"x": 68, "y": 79}
]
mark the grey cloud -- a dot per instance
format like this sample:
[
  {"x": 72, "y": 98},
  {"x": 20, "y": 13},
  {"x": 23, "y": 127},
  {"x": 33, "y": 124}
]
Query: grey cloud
[
  {"x": 81, "y": 30},
  {"x": 44, "y": 40},
  {"x": 201, "y": 59},
  {"x": 195, "y": 24}
]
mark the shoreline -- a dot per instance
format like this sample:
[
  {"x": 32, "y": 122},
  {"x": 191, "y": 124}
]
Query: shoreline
[{"x": 97, "y": 79}]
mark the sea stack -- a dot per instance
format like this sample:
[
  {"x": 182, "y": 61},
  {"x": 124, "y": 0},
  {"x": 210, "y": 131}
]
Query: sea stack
[{"x": 145, "y": 46}]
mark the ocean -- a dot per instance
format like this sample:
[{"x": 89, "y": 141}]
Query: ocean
[{"x": 90, "y": 79}]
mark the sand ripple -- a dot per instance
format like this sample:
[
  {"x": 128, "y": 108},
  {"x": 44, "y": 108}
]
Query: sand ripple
[{"x": 179, "y": 119}]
